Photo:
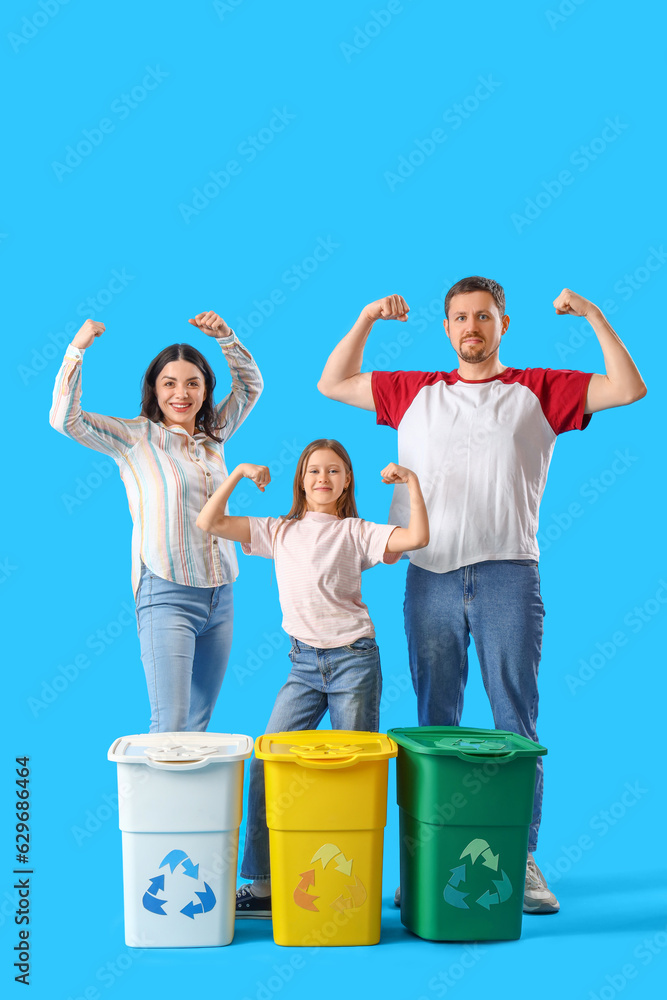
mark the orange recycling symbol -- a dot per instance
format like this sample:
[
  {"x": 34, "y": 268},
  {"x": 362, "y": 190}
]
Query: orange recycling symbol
[{"x": 353, "y": 894}]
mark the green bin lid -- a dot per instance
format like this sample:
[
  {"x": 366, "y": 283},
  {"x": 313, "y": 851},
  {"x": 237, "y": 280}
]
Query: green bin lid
[{"x": 465, "y": 743}]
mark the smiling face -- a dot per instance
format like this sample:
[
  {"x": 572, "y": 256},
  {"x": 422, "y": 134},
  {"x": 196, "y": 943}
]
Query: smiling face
[
  {"x": 474, "y": 326},
  {"x": 180, "y": 391},
  {"x": 323, "y": 480}
]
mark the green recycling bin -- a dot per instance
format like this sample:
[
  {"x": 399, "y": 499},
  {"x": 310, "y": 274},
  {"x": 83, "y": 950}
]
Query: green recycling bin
[{"x": 465, "y": 801}]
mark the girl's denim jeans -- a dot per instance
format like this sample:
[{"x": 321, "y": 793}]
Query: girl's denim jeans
[{"x": 347, "y": 680}]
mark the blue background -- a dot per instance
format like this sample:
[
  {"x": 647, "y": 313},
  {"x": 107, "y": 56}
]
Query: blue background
[{"x": 358, "y": 92}]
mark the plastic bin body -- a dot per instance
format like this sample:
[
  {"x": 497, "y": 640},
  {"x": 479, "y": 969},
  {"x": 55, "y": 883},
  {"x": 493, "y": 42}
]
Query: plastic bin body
[
  {"x": 465, "y": 801},
  {"x": 326, "y": 801},
  {"x": 180, "y": 821}
]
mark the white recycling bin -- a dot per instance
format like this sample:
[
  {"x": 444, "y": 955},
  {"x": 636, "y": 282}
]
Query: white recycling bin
[{"x": 180, "y": 803}]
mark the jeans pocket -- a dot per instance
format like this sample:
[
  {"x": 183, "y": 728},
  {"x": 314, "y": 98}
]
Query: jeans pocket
[
  {"x": 523, "y": 562},
  {"x": 362, "y": 646},
  {"x": 294, "y": 648}
]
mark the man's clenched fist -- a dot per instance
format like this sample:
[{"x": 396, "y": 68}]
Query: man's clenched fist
[
  {"x": 569, "y": 303},
  {"x": 391, "y": 307}
]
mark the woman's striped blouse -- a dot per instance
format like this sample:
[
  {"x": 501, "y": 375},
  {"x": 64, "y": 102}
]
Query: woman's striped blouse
[{"x": 168, "y": 474}]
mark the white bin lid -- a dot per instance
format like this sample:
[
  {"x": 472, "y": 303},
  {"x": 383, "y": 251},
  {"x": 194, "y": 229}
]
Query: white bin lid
[{"x": 180, "y": 751}]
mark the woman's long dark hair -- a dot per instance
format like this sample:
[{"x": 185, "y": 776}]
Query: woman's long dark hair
[
  {"x": 346, "y": 505},
  {"x": 205, "y": 420}
]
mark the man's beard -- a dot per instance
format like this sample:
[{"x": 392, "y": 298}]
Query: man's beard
[{"x": 475, "y": 357}]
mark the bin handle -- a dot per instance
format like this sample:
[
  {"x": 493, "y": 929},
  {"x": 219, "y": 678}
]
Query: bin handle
[
  {"x": 317, "y": 756},
  {"x": 175, "y": 765},
  {"x": 191, "y": 757},
  {"x": 328, "y": 764},
  {"x": 479, "y": 757}
]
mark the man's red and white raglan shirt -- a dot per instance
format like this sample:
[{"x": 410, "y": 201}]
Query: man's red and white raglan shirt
[{"x": 482, "y": 452}]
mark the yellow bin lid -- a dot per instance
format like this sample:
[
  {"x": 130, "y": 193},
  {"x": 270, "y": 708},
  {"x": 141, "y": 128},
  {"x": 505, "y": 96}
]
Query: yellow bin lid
[{"x": 325, "y": 748}]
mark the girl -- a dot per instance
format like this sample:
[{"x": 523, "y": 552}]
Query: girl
[
  {"x": 171, "y": 458},
  {"x": 320, "y": 549}
]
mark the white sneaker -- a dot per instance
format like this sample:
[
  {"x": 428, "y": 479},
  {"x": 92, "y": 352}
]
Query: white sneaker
[{"x": 537, "y": 898}]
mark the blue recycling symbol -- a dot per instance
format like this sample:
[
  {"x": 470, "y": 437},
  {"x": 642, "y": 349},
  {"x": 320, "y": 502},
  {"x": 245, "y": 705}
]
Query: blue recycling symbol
[{"x": 178, "y": 859}]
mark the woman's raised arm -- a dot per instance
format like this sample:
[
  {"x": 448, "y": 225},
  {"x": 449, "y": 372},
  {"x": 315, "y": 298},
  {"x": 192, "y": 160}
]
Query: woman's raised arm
[
  {"x": 247, "y": 383},
  {"x": 111, "y": 435}
]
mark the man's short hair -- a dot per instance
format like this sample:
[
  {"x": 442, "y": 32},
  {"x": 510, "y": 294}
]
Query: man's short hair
[{"x": 477, "y": 284}]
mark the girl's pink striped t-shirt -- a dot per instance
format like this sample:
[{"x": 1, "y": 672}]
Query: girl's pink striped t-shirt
[{"x": 319, "y": 560}]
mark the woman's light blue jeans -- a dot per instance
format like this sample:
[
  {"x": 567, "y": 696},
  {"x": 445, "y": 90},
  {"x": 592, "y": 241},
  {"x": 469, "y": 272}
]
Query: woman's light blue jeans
[
  {"x": 348, "y": 681},
  {"x": 185, "y": 634},
  {"x": 498, "y": 603}
]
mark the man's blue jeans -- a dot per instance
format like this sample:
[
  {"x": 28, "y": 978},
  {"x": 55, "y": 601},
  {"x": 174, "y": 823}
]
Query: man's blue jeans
[
  {"x": 185, "y": 634},
  {"x": 347, "y": 680},
  {"x": 498, "y": 603}
]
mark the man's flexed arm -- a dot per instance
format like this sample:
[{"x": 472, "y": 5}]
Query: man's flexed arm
[
  {"x": 342, "y": 378},
  {"x": 621, "y": 384}
]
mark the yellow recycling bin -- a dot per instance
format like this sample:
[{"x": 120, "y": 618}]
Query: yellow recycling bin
[{"x": 326, "y": 809}]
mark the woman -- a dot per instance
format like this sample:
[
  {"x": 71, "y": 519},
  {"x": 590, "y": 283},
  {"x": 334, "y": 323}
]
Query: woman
[{"x": 171, "y": 460}]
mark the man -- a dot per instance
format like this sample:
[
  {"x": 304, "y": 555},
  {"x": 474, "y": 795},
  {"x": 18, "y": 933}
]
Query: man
[{"x": 480, "y": 439}]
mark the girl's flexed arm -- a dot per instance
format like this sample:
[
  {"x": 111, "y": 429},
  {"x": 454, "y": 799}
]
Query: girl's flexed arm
[
  {"x": 416, "y": 535},
  {"x": 213, "y": 517}
]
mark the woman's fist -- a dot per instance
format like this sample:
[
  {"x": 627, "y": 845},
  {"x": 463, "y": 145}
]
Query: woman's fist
[
  {"x": 86, "y": 335},
  {"x": 211, "y": 324}
]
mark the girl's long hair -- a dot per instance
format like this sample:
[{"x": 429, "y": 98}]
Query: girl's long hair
[
  {"x": 205, "y": 420},
  {"x": 345, "y": 505}
]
